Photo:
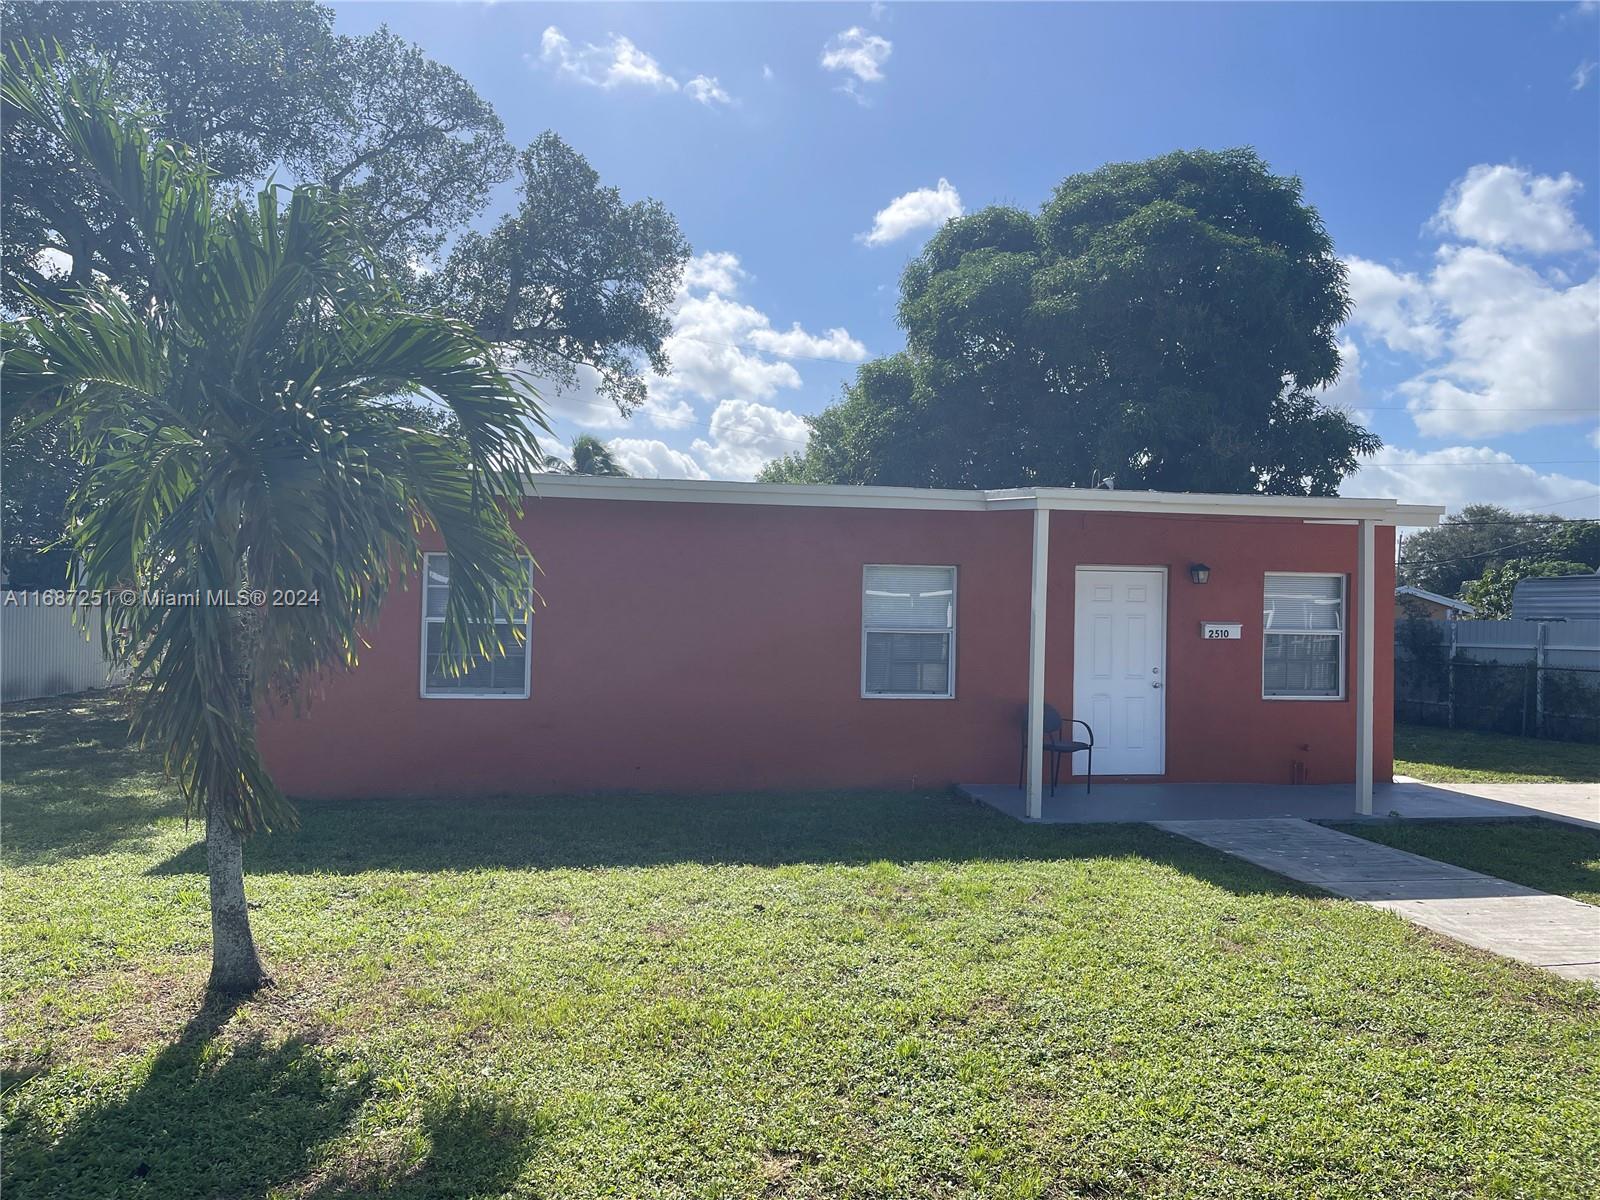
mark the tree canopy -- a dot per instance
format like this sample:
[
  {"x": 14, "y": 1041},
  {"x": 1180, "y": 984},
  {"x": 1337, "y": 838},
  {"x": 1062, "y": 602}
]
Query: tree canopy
[
  {"x": 1167, "y": 323},
  {"x": 575, "y": 279},
  {"x": 1482, "y": 538}
]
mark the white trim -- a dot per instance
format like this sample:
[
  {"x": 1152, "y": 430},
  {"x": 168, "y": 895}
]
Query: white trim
[
  {"x": 1164, "y": 629},
  {"x": 1366, "y": 624},
  {"x": 1038, "y": 614},
  {"x": 955, "y": 602},
  {"x": 718, "y": 491},
  {"x": 422, "y": 647},
  {"x": 1460, "y": 606},
  {"x": 1342, "y": 633}
]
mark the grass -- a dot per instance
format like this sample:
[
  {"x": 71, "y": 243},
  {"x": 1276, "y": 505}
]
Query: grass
[
  {"x": 745, "y": 996},
  {"x": 1549, "y": 855},
  {"x": 1468, "y": 756}
]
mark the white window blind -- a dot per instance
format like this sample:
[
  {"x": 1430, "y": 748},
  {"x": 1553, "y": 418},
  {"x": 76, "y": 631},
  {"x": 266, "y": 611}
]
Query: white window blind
[
  {"x": 504, "y": 675},
  {"x": 1302, "y": 655},
  {"x": 908, "y": 626}
]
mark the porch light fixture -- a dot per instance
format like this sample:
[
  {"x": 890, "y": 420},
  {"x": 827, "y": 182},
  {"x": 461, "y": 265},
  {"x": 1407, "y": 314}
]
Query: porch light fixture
[{"x": 1199, "y": 572}]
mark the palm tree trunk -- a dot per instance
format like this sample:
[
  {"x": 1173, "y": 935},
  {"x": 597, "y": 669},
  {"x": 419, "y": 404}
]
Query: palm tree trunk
[{"x": 235, "y": 967}]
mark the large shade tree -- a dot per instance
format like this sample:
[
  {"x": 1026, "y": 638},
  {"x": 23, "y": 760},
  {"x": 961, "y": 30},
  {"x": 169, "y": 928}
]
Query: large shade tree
[
  {"x": 239, "y": 433},
  {"x": 1167, "y": 323}
]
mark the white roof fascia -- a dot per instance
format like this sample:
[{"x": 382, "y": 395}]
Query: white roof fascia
[{"x": 716, "y": 491}]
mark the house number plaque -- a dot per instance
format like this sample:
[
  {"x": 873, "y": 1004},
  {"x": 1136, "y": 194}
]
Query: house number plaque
[{"x": 1220, "y": 631}]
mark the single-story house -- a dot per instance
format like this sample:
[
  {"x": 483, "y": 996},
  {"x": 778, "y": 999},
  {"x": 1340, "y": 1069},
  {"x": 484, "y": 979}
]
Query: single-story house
[
  {"x": 715, "y": 636},
  {"x": 1414, "y": 602}
]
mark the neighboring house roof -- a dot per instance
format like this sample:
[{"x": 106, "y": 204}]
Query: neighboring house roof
[
  {"x": 1556, "y": 598},
  {"x": 1320, "y": 509},
  {"x": 1461, "y": 606}
]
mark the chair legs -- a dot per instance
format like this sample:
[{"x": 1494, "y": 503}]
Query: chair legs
[{"x": 1055, "y": 770}]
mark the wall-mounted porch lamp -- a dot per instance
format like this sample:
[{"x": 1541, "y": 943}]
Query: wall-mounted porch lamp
[{"x": 1199, "y": 572}]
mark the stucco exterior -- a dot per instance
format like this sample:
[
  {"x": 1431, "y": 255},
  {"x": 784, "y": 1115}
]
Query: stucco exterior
[{"x": 689, "y": 647}]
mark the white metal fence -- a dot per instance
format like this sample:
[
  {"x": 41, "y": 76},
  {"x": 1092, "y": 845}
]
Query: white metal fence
[{"x": 42, "y": 653}]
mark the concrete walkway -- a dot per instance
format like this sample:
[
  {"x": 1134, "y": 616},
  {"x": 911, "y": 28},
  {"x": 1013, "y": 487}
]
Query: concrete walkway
[
  {"x": 1554, "y": 932},
  {"x": 1574, "y": 803}
]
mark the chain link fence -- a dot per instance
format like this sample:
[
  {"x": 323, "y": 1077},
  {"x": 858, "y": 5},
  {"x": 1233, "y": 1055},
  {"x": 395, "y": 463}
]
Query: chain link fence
[{"x": 1439, "y": 681}]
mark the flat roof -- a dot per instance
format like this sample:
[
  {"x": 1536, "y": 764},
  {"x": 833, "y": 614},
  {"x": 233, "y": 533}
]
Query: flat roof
[{"x": 718, "y": 491}]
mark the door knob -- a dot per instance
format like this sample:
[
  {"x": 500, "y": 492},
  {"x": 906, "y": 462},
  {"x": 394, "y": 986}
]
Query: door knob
[{"x": 1155, "y": 685}]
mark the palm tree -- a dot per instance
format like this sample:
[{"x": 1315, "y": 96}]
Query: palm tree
[
  {"x": 243, "y": 435},
  {"x": 591, "y": 456}
]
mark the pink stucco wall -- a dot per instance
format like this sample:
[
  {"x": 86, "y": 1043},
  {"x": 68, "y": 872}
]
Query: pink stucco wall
[{"x": 710, "y": 647}]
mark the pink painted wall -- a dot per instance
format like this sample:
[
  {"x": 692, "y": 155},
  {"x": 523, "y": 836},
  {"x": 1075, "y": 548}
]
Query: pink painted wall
[{"x": 716, "y": 647}]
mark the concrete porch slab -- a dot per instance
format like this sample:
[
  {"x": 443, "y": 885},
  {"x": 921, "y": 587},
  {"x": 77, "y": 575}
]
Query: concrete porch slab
[{"x": 1575, "y": 803}]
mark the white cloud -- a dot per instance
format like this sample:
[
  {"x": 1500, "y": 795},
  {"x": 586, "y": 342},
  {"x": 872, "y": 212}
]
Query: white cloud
[
  {"x": 618, "y": 63},
  {"x": 1506, "y": 207},
  {"x": 1501, "y": 345},
  {"x": 1521, "y": 350},
  {"x": 650, "y": 458},
  {"x": 1462, "y": 475},
  {"x": 716, "y": 338},
  {"x": 709, "y": 356},
  {"x": 767, "y": 73},
  {"x": 581, "y": 404},
  {"x": 1582, "y": 74},
  {"x": 796, "y": 342},
  {"x": 615, "y": 63},
  {"x": 707, "y": 91},
  {"x": 719, "y": 347},
  {"x": 714, "y": 271},
  {"x": 746, "y": 436},
  {"x": 1395, "y": 307},
  {"x": 859, "y": 55},
  {"x": 924, "y": 208}
]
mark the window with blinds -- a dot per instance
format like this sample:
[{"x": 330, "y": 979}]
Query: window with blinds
[
  {"x": 908, "y": 632},
  {"x": 503, "y": 676},
  {"x": 1302, "y": 655}
]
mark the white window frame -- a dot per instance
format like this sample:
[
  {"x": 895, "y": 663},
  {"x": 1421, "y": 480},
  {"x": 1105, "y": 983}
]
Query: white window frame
[
  {"x": 458, "y": 694},
  {"x": 1342, "y": 634},
  {"x": 955, "y": 597}
]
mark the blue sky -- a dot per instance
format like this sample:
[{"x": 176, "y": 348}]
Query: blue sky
[{"x": 809, "y": 150}]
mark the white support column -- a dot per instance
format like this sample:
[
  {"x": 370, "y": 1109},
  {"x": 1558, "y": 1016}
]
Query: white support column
[
  {"x": 1036, "y": 627},
  {"x": 1366, "y": 613}
]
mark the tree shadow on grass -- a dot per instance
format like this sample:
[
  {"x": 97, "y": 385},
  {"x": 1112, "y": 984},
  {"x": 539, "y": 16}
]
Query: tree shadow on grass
[
  {"x": 774, "y": 829},
  {"x": 474, "y": 1145},
  {"x": 238, "y": 1116},
  {"x": 74, "y": 785},
  {"x": 213, "y": 1116}
]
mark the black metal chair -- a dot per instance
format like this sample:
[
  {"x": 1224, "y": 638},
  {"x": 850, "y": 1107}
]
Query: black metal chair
[{"x": 1057, "y": 748}]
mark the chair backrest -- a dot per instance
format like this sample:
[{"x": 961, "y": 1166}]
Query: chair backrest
[{"x": 1052, "y": 721}]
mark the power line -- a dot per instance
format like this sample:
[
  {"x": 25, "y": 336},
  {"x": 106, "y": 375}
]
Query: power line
[{"x": 1445, "y": 562}]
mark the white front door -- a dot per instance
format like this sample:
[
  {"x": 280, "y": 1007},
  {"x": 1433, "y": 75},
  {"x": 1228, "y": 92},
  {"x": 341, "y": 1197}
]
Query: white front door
[{"x": 1119, "y": 668}]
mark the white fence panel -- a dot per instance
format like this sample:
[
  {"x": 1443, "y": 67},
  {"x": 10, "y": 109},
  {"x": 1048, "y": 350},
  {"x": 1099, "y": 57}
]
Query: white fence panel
[
  {"x": 1570, "y": 644},
  {"x": 42, "y": 653}
]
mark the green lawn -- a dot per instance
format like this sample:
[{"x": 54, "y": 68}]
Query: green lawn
[
  {"x": 1467, "y": 756},
  {"x": 1549, "y": 855},
  {"x": 748, "y": 996}
]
